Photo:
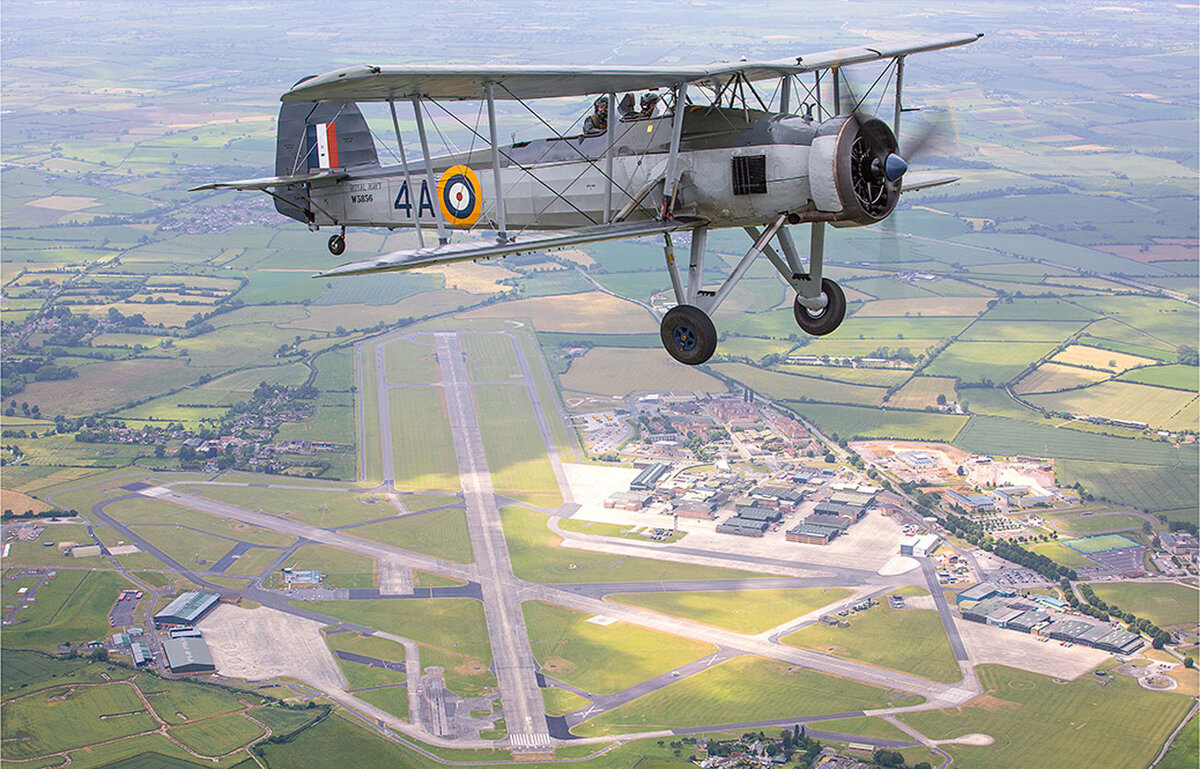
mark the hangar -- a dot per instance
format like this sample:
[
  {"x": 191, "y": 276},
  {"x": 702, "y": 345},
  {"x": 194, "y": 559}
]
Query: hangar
[
  {"x": 187, "y": 609},
  {"x": 188, "y": 655}
]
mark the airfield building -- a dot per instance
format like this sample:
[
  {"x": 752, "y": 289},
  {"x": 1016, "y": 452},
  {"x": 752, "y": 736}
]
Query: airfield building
[
  {"x": 648, "y": 477},
  {"x": 187, "y": 609},
  {"x": 918, "y": 546},
  {"x": 812, "y": 533},
  {"x": 188, "y": 655},
  {"x": 743, "y": 527}
]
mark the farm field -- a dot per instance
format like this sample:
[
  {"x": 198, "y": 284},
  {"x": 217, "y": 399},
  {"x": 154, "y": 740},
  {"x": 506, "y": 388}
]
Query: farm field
[
  {"x": 1036, "y": 722},
  {"x": 987, "y": 330},
  {"x": 858, "y": 422},
  {"x": 1164, "y": 604},
  {"x": 537, "y": 557},
  {"x": 584, "y": 312},
  {"x": 1169, "y": 489},
  {"x": 1052, "y": 377},
  {"x": 742, "y": 611},
  {"x": 1176, "y": 376},
  {"x": 922, "y": 392},
  {"x": 740, "y": 690},
  {"x": 1159, "y": 407},
  {"x": 618, "y": 372},
  {"x": 1104, "y": 360},
  {"x": 987, "y": 361},
  {"x": 1061, "y": 554},
  {"x": 909, "y": 640},
  {"x": 779, "y": 386},
  {"x": 1100, "y": 523},
  {"x": 880, "y": 377},
  {"x": 932, "y": 307},
  {"x": 440, "y": 533},
  {"x": 30, "y": 731},
  {"x": 516, "y": 452},
  {"x": 218, "y": 736},
  {"x": 1006, "y": 437},
  {"x": 602, "y": 659},
  {"x": 451, "y": 631}
]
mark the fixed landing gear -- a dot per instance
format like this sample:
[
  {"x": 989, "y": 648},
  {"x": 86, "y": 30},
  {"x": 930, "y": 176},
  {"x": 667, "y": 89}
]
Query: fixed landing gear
[
  {"x": 819, "y": 321},
  {"x": 688, "y": 334},
  {"x": 337, "y": 243}
]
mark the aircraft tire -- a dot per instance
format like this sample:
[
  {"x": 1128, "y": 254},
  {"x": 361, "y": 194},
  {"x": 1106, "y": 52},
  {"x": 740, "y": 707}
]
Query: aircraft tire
[
  {"x": 688, "y": 334},
  {"x": 827, "y": 320},
  {"x": 337, "y": 245}
]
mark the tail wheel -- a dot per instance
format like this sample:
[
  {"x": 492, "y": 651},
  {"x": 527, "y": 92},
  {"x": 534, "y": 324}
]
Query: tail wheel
[
  {"x": 337, "y": 245},
  {"x": 826, "y": 320},
  {"x": 688, "y": 334}
]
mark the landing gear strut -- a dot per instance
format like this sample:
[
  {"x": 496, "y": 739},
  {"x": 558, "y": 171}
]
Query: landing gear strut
[
  {"x": 337, "y": 243},
  {"x": 688, "y": 334}
]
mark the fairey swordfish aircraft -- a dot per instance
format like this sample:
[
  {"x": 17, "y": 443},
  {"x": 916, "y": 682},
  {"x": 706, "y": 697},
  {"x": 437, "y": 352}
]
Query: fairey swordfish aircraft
[{"x": 657, "y": 165}]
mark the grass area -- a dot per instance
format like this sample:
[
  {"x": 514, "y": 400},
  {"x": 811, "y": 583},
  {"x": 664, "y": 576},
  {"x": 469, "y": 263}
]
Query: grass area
[
  {"x": 537, "y": 557},
  {"x": 1160, "y": 407},
  {"x": 1007, "y": 437},
  {"x": 490, "y": 357},
  {"x": 1036, "y": 722},
  {"x": 177, "y": 702},
  {"x": 559, "y": 702},
  {"x": 441, "y": 533},
  {"x": 742, "y": 689},
  {"x": 574, "y": 313},
  {"x": 451, "y": 631},
  {"x": 859, "y": 422},
  {"x": 411, "y": 363},
  {"x": 32, "y": 726},
  {"x": 620, "y": 371},
  {"x": 323, "y": 509},
  {"x": 1178, "y": 377},
  {"x": 909, "y": 640},
  {"x": 922, "y": 392},
  {"x": 779, "y": 386},
  {"x": 35, "y": 553},
  {"x": 253, "y": 562},
  {"x": 742, "y": 611},
  {"x": 23, "y": 669},
  {"x": 1020, "y": 330},
  {"x": 283, "y": 720},
  {"x": 340, "y": 567},
  {"x": 1061, "y": 554},
  {"x": 422, "y": 447},
  {"x": 152, "y": 512},
  {"x": 1170, "y": 490},
  {"x": 1185, "y": 751},
  {"x": 1100, "y": 543},
  {"x": 218, "y": 736},
  {"x": 516, "y": 452},
  {"x": 987, "y": 361},
  {"x": 338, "y": 742},
  {"x": 1052, "y": 377},
  {"x": 1098, "y": 523},
  {"x": 1104, "y": 360},
  {"x": 615, "y": 530},
  {"x": 1164, "y": 604},
  {"x": 602, "y": 659},
  {"x": 883, "y": 377},
  {"x": 73, "y": 606},
  {"x": 863, "y": 726},
  {"x": 393, "y": 699}
]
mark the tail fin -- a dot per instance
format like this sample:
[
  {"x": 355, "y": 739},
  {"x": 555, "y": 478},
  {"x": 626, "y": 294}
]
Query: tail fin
[{"x": 316, "y": 135}]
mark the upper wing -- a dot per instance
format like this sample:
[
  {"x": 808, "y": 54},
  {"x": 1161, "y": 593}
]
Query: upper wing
[
  {"x": 482, "y": 249},
  {"x": 399, "y": 82},
  {"x": 266, "y": 182}
]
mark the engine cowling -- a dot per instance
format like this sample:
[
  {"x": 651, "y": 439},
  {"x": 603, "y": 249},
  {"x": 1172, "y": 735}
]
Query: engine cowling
[{"x": 854, "y": 170}]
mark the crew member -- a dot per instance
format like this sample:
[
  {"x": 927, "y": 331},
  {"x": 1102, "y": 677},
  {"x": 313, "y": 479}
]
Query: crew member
[
  {"x": 649, "y": 104},
  {"x": 597, "y": 122}
]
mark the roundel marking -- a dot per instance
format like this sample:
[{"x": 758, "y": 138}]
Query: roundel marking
[{"x": 458, "y": 195}]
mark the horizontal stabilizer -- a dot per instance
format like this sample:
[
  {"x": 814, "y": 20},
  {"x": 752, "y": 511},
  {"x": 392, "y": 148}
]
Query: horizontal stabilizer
[
  {"x": 266, "y": 182},
  {"x": 928, "y": 179},
  {"x": 483, "y": 249}
]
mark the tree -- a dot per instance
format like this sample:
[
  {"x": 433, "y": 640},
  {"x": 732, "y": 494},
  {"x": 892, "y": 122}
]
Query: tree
[{"x": 1189, "y": 662}]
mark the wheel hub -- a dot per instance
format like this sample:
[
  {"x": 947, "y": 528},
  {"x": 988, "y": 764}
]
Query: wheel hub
[{"x": 685, "y": 338}]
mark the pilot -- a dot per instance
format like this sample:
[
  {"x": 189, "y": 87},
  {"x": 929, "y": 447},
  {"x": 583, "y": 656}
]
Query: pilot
[
  {"x": 627, "y": 108},
  {"x": 597, "y": 122},
  {"x": 649, "y": 104}
]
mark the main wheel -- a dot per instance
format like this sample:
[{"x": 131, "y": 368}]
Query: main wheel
[
  {"x": 337, "y": 245},
  {"x": 688, "y": 334},
  {"x": 826, "y": 320}
]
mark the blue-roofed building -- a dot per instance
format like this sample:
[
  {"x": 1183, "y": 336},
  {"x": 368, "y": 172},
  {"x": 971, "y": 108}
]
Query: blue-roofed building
[{"x": 187, "y": 609}]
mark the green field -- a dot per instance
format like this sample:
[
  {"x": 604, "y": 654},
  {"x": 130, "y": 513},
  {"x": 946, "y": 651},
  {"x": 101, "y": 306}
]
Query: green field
[
  {"x": 393, "y": 699},
  {"x": 150, "y": 512},
  {"x": 863, "y": 726},
  {"x": 1164, "y": 604},
  {"x": 323, "y": 509},
  {"x": 1006, "y": 437},
  {"x": 422, "y": 447},
  {"x": 340, "y": 567},
  {"x": 987, "y": 361},
  {"x": 170, "y": 699},
  {"x": 602, "y": 659},
  {"x": 32, "y": 726},
  {"x": 1160, "y": 407},
  {"x": 740, "y": 690},
  {"x": 73, "y": 607},
  {"x": 778, "y": 386},
  {"x": 742, "y": 611},
  {"x": 451, "y": 631},
  {"x": 516, "y": 453},
  {"x": 411, "y": 363},
  {"x": 559, "y": 702},
  {"x": 1179, "y": 377},
  {"x": 441, "y": 533},
  {"x": 1185, "y": 751},
  {"x": 537, "y": 557},
  {"x": 1173, "y": 491},
  {"x": 1037, "y": 722},
  {"x": 490, "y": 357},
  {"x": 1101, "y": 523},
  {"x": 858, "y": 422},
  {"x": 1100, "y": 544},
  {"x": 218, "y": 736},
  {"x": 1061, "y": 554},
  {"x": 908, "y": 640}
]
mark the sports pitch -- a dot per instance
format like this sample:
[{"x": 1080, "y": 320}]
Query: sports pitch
[{"x": 1100, "y": 544}]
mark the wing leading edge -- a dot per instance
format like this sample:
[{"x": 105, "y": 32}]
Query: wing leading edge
[
  {"x": 267, "y": 182},
  {"x": 480, "y": 249},
  {"x": 399, "y": 82}
]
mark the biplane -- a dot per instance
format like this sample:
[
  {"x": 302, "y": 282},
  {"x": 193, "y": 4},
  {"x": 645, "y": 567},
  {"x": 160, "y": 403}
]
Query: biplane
[{"x": 702, "y": 149}]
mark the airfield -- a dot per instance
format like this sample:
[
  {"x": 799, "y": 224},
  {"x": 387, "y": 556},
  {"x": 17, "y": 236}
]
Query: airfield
[{"x": 438, "y": 446}]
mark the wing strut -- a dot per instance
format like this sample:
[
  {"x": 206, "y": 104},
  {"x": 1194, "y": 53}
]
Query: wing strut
[
  {"x": 672, "y": 184},
  {"x": 433, "y": 190},
  {"x": 489, "y": 91},
  {"x": 407, "y": 176}
]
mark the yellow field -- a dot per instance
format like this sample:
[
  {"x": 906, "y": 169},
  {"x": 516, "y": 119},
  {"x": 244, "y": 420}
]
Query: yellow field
[
  {"x": 1094, "y": 357},
  {"x": 922, "y": 391},
  {"x": 951, "y": 306},
  {"x": 618, "y": 372},
  {"x": 474, "y": 278},
  {"x": 1159, "y": 407},
  {"x": 577, "y": 256},
  {"x": 349, "y": 316},
  {"x": 1051, "y": 377},
  {"x": 167, "y": 314},
  {"x": 592, "y": 313},
  {"x": 19, "y": 503},
  {"x": 173, "y": 296},
  {"x": 193, "y": 281},
  {"x": 64, "y": 203}
]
